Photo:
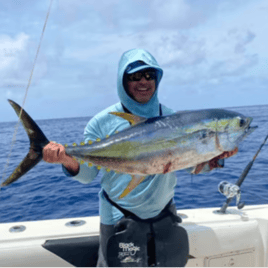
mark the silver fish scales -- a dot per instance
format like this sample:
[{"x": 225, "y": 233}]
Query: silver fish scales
[{"x": 149, "y": 146}]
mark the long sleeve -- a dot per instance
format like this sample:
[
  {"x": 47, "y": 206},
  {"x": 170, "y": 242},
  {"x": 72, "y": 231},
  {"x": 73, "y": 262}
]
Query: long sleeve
[{"x": 87, "y": 174}]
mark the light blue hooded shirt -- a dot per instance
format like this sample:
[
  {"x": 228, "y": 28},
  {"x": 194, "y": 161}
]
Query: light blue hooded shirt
[{"x": 152, "y": 195}]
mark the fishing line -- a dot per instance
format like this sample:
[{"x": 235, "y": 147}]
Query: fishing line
[
  {"x": 25, "y": 96},
  {"x": 192, "y": 178}
]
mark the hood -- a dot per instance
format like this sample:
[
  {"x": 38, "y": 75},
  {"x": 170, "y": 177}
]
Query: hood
[{"x": 151, "y": 108}]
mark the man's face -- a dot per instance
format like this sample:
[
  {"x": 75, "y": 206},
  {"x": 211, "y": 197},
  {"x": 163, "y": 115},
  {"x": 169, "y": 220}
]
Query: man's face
[{"x": 142, "y": 90}]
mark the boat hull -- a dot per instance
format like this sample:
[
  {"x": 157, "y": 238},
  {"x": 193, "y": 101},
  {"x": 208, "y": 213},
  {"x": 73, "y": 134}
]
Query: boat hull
[{"x": 238, "y": 238}]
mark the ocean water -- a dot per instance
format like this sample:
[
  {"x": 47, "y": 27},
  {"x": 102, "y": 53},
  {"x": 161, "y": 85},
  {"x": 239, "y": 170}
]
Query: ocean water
[{"x": 46, "y": 193}]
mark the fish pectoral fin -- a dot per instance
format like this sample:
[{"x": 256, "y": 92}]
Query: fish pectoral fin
[
  {"x": 216, "y": 162},
  {"x": 132, "y": 119},
  {"x": 135, "y": 181},
  {"x": 200, "y": 168}
]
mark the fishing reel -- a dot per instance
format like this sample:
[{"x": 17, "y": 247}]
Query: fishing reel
[
  {"x": 230, "y": 191},
  {"x": 233, "y": 190}
]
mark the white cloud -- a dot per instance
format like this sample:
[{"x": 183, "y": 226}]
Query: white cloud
[
  {"x": 172, "y": 48},
  {"x": 10, "y": 48},
  {"x": 173, "y": 13},
  {"x": 203, "y": 46},
  {"x": 16, "y": 62},
  {"x": 12, "y": 53}
]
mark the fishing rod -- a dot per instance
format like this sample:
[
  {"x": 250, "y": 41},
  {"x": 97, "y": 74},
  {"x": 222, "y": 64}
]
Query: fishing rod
[{"x": 232, "y": 190}]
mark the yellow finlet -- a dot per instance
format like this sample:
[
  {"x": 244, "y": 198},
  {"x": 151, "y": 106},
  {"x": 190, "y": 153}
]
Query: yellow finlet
[
  {"x": 131, "y": 118},
  {"x": 65, "y": 145},
  {"x": 108, "y": 170},
  {"x": 98, "y": 139},
  {"x": 82, "y": 143},
  {"x": 82, "y": 162},
  {"x": 90, "y": 142},
  {"x": 74, "y": 144},
  {"x": 107, "y": 136},
  {"x": 90, "y": 164},
  {"x": 135, "y": 181},
  {"x": 99, "y": 167}
]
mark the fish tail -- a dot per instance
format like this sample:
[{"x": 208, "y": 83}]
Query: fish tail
[{"x": 37, "y": 142}]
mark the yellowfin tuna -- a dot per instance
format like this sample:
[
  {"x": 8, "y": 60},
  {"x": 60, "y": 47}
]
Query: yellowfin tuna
[{"x": 149, "y": 146}]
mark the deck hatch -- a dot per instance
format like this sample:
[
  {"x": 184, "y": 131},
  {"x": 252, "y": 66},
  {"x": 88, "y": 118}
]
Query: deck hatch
[{"x": 240, "y": 258}]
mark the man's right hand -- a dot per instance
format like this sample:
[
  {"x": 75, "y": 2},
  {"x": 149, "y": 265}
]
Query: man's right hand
[{"x": 55, "y": 153}]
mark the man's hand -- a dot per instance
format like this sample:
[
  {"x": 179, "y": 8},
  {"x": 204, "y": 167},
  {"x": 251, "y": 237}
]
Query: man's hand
[
  {"x": 55, "y": 153},
  {"x": 213, "y": 163}
]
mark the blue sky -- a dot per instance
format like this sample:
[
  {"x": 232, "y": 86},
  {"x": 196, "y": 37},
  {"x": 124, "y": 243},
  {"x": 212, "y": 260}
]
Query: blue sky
[{"x": 214, "y": 53}]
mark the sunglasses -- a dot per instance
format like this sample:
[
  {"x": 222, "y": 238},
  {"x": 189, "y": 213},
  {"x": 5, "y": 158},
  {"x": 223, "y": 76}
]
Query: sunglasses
[{"x": 148, "y": 75}]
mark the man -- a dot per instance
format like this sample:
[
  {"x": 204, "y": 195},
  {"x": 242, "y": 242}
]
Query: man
[{"x": 148, "y": 210}]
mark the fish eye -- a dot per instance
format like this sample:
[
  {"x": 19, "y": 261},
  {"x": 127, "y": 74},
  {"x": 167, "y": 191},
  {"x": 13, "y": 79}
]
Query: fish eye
[
  {"x": 203, "y": 134},
  {"x": 242, "y": 122}
]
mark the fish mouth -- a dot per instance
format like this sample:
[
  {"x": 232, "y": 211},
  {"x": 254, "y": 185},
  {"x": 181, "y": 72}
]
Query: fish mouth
[{"x": 249, "y": 129}]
